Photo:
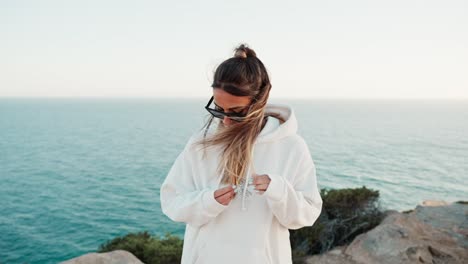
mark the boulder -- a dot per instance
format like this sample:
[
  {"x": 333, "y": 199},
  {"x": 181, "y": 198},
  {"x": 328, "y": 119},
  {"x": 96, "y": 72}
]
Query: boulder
[
  {"x": 428, "y": 234},
  {"x": 433, "y": 203},
  {"x": 113, "y": 257}
]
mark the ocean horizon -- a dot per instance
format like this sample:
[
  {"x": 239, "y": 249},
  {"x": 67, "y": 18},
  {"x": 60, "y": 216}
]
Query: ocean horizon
[{"x": 76, "y": 172}]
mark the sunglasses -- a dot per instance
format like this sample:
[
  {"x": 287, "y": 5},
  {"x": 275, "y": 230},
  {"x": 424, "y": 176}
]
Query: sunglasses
[{"x": 238, "y": 117}]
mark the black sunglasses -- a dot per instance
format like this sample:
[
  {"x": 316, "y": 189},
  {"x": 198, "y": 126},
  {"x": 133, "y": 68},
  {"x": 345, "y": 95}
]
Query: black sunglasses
[{"x": 238, "y": 117}]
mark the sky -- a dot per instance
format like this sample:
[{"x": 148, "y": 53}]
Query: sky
[{"x": 312, "y": 49}]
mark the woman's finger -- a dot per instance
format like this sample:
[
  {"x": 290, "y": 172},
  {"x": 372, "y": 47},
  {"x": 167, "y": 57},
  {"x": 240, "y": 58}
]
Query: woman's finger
[
  {"x": 223, "y": 191},
  {"x": 229, "y": 192},
  {"x": 261, "y": 187},
  {"x": 226, "y": 197},
  {"x": 261, "y": 179}
]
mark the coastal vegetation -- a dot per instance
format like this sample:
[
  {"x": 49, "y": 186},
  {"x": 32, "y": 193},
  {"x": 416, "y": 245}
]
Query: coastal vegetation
[
  {"x": 147, "y": 248},
  {"x": 346, "y": 213}
]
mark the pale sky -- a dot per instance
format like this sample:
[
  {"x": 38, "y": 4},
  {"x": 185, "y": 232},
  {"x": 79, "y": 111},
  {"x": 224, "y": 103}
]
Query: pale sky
[{"x": 312, "y": 49}]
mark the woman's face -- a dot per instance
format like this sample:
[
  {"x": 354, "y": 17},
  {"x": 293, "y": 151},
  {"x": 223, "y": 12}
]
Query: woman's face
[{"x": 230, "y": 103}]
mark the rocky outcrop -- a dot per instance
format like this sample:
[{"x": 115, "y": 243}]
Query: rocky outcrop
[
  {"x": 433, "y": 233},
  {"x": 113, "y": 257}
]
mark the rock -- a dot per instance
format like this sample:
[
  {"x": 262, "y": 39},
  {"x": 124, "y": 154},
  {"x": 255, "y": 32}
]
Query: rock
[
  {"x": 330, "y": 259},
  {"x": 436, "y": 234},
  {"x": 452, "y": 220},
  {"x": 334, "y": 256},
  {"x": 434, "y": 203},
  {"x": 113, "y": 257}
]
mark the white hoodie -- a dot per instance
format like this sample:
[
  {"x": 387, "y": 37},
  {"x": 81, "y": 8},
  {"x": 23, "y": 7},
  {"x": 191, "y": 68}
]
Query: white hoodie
[{"x": 252, "y": 228}]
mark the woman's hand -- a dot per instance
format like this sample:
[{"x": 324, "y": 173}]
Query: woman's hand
[
  {"x": 224, "y": 195},
  {"x": 261, "y": 182}
]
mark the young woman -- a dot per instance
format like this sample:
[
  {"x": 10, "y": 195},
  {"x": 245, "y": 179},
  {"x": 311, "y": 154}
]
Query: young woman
[{"x": 244, "y": 179}]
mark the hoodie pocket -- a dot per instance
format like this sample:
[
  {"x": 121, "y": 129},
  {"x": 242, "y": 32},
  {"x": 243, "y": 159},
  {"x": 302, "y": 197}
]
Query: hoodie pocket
[{"x": 212, "y": 252}]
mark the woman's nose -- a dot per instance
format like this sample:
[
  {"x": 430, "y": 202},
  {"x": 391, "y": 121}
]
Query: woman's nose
[{"x": 226, "y": 121}]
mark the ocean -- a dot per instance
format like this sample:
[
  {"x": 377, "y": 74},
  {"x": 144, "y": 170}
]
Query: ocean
[{"x": 75, "y": 173}]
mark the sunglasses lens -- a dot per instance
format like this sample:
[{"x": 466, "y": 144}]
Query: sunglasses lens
[
  {"x": 216, "y": 113},
  {"x": 222, "y": 115},
  {"x": 238, "y": 119}
]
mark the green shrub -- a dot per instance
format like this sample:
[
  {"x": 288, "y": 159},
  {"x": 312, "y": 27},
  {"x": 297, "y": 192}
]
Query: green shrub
[
  {"x": 346, "y": 213},
  {"x": 148, "y": 249}
]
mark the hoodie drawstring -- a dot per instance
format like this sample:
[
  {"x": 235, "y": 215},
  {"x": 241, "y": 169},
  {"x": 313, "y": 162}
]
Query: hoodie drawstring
[
  {"x": 245, "y": 190},
  {"x": 247, "y": 179}
]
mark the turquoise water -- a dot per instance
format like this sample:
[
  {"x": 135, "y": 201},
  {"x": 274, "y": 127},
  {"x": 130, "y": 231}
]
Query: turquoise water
[{"x": 77, "y": 172}]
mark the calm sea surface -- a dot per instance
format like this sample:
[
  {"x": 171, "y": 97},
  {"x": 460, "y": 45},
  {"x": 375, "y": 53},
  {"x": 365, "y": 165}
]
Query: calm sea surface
[{"x": 75, "y": 173}]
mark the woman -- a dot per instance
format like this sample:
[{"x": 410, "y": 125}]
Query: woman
[{"x": 240, "y": 186}]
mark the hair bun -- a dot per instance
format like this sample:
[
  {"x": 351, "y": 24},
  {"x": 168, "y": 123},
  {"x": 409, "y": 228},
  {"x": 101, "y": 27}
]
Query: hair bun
[
  {"x": 242, "y": 51},
  {"x": 240, "y": 54}
]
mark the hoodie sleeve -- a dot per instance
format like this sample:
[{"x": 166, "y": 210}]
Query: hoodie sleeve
[
  {"x": 181, "y": 201},
  {"x": 297, "y": 202}
]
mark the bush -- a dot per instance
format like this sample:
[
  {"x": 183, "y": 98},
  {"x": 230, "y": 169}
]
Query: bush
[
  {"x": 346, "y": 213},
  {"x": 150, "y": 250}
]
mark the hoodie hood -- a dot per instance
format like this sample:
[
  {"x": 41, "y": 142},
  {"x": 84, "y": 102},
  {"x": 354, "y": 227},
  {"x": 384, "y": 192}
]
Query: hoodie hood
[{"x": 274, "y": 128}]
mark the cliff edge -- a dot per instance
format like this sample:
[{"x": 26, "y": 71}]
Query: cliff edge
[{"x": 434, "y": 232}]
